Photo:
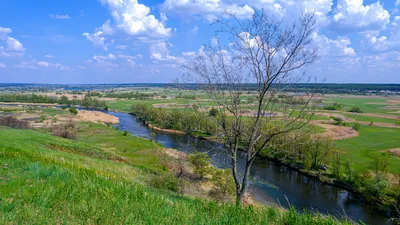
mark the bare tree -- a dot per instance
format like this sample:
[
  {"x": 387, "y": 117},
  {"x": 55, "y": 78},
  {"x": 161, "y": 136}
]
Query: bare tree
[{"x": 259, "y": 59}]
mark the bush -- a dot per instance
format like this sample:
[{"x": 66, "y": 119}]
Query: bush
[
  {"x": 165, "y": 181},
  {"x": 66, "y": 130},
  {"x": 337, "y": 120},
  {"x": 201, "y": 163},
  {"x": 355, "y": 110},
  {"x": 12, "y": 122},
  {"x": 224, "y": 184},
  {"x": 213, "y": 112},
  {"x": 125, "y": 133},
  {"x": 334, "y": 106},
  {"x": 43, "y": 118},
  {"x": 356, "y": 126},
  {"x": 73, "y": 110}
]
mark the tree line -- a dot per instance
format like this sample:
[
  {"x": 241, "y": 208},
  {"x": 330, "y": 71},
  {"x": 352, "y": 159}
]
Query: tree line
[{"x": 35, "y": 98}]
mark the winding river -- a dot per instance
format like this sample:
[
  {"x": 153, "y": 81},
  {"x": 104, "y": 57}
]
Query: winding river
[{"x": 271, "y": 182}]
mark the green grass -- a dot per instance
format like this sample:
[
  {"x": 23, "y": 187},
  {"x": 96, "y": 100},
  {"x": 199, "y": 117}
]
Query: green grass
[
  {"x": 363, "y": 103},
  {"x": 125, "y": 105},
  {"x": 81, "y": 182},
  {"x": 361, "y": 117},
  {"x": 362, "y": 149}
]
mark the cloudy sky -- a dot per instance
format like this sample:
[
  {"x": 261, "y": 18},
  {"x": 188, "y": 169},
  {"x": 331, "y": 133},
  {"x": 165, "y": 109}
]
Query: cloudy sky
[{"x": 120, "y": 41}]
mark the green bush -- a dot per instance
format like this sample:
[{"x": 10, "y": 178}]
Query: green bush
[
  {"x": 337, "y": 120},
  {"x": 43, "y": 118},
  {"x": 213, "y": 112},
  {"x": 165, "y": 181},
  {"x": 73, "y": 110},
  {"x": 355, "y": 110},
  {"x": 224, "y": 184},
  {"x": 334, "y": 106},
  {"x": 356, "y": 126},
  {"x": 125, "y": 133},
  {"x": 201, "y": 163}
]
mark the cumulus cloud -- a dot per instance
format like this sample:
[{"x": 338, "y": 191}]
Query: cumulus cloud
[
  {"x": 208, "y": 9},
  {"x": 97, "y": 39},
  {"x": 9, "y": 46},
  {"x": 328, "y": 47},
  {"x": 372, "y": 41},
  {"x": 112, "y": 61},
  {"x": 2, "y": 65},
  {"x": 353, "y": 16},
  {"x": 132, "y": 19},
  {"x": 60, "y": 17}
]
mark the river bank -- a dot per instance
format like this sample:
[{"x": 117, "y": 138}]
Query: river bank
[{"x": 345, "y": 194}]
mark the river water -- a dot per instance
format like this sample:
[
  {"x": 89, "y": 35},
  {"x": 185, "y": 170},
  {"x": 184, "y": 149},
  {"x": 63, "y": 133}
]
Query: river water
[{"x": 271, "y": 182}]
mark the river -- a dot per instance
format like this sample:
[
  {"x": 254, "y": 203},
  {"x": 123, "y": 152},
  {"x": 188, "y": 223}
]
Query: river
[{"x": 271, "y": 182}]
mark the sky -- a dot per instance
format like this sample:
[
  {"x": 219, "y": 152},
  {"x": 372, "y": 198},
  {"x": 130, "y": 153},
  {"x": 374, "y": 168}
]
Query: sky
[{"x": 147, "y": 41}]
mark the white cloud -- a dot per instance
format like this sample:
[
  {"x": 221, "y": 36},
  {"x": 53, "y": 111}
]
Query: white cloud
[
  {"x": 189, "y": 54},
  {"x": 111, "y": 61},
  {"x": 208, "y": 9},
  {"x": 333, "y": 48},
  {"x": 2, "y": 65},
  {"x": 49, "y": 56},
  {"x": 159, "y": 51},
  {"x": 11, "y": 47},
  {"x": 132, "y": 19},
  {"x": 34, "y": 64},
  {"x": 97, "y": 39},
  {"x": 14, "y": 45},
  {"x": 397, "y": 3},
  {"x": 121, "y": 47},
  {"x": 60, "y": 17},
  {"x": 195, "y": 30},
  {"x": 372, "y": 41},
  {"x": 353, "y": 16}
]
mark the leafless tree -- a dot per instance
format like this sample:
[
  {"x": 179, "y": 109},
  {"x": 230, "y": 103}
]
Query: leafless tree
[{"x": 269, "y": 56}]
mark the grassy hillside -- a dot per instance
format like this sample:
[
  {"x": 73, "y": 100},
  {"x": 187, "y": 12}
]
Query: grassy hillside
[{"x": 101, "y": 179}]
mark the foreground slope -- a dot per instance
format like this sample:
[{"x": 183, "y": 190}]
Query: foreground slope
[{"x": 47, "y": 180}]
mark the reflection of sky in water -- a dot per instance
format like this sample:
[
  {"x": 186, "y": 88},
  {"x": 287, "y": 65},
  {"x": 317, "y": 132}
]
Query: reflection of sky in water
[{"x": 271, "y": 183}]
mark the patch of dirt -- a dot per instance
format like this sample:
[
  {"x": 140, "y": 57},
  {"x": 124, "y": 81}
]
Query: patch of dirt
[
  {"x": 335, "y": 132},
  {"x": 97, "y": 117},
  {"x": 175, "y": 153},
  {"x": 394, "y": 101},
  {"x": 395, "y": 151}
]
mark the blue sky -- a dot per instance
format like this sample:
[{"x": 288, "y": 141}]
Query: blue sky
[{"x": 120, "y": 41}]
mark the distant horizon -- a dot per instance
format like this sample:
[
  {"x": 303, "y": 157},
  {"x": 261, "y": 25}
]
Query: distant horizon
[{"x": 172, "y": 83}]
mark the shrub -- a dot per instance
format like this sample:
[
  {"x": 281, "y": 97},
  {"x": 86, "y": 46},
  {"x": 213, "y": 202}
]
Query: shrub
[
  {"x": 224, "y": 184},
  {"x": 201, "y": 163},
  {"x": 66, "y": 130},
  {"x": 125, "y": 133},
  {"x": 371, "y": 124},
  {"x": 337, "y": 120},
  {"x": 73, "y": 110},
  {"x": 355, "y": 110},
  {"x": 213, "y": 112},
  {"x": 356, "y": 126},
  {"x": 43, "y": 118},
  {"x": 334, "y": 106},
  {"x": 165, "y": 181},
  {"x": 12, "y": 122}
]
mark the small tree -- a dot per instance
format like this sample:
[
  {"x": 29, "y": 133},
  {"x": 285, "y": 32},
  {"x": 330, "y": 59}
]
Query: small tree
[
  {"x": 201, "y": 163},
  {"x": 267, "y": 53},
  {"x": 73, "y": 110}
]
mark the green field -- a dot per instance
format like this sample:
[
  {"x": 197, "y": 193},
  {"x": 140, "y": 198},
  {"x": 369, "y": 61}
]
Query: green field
[{"x": 371, "y": 141}]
